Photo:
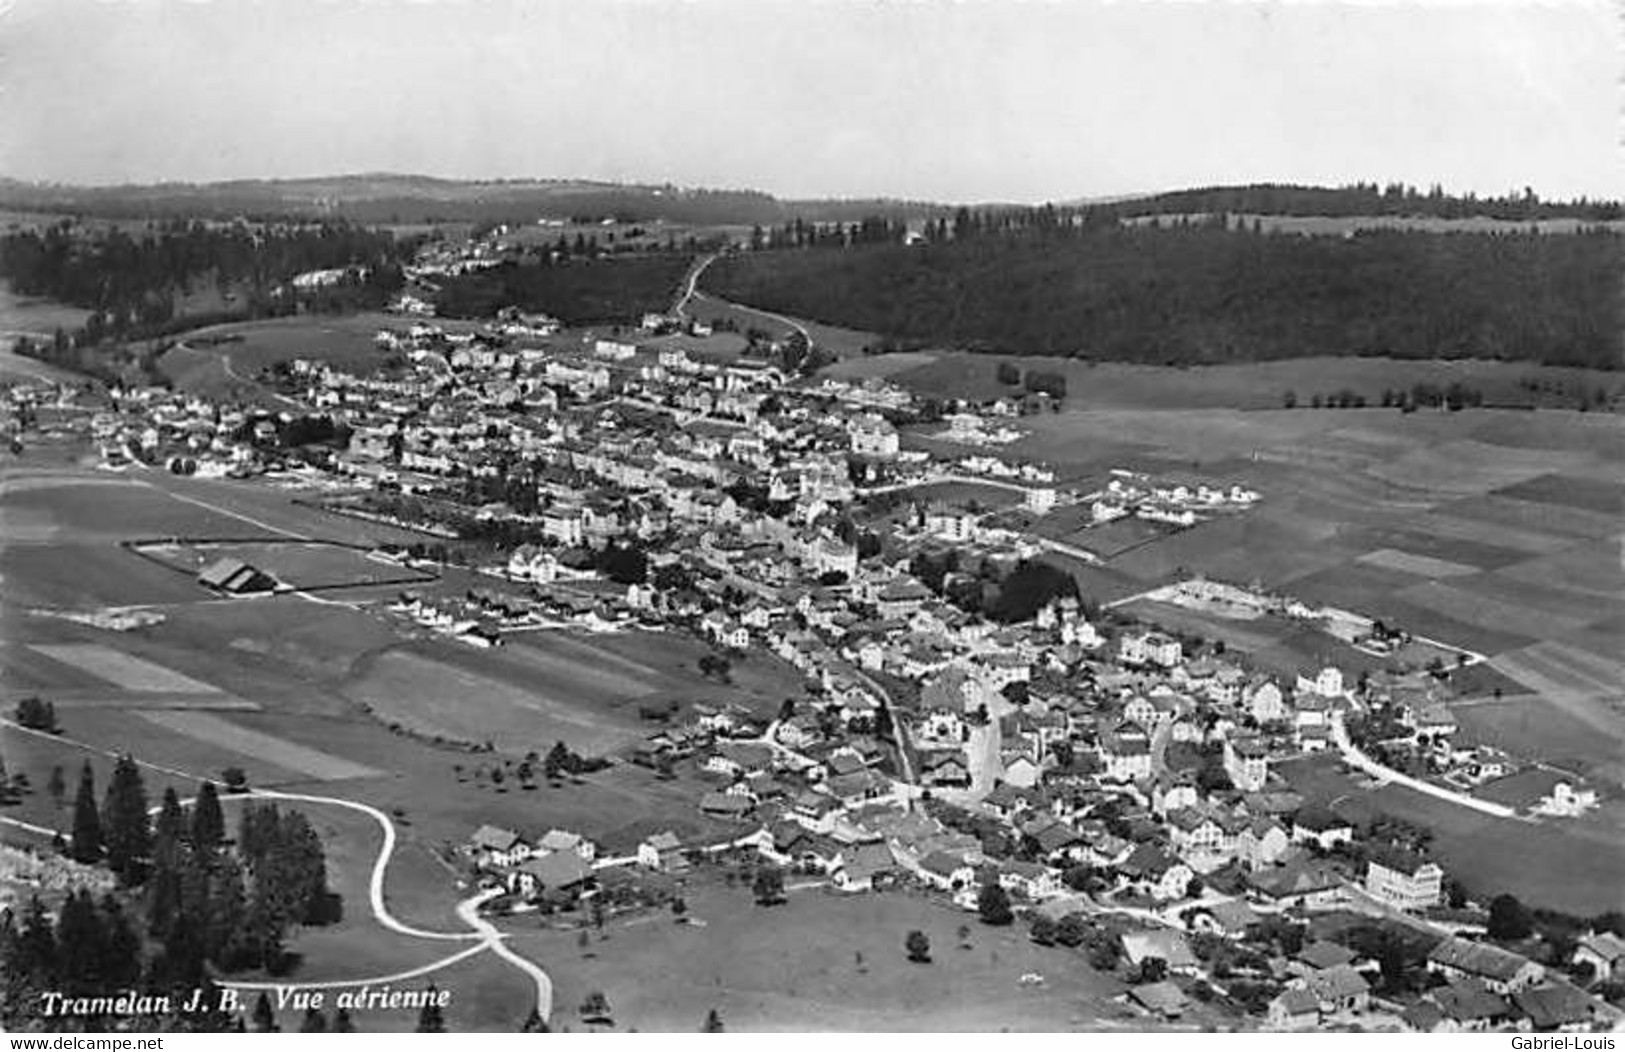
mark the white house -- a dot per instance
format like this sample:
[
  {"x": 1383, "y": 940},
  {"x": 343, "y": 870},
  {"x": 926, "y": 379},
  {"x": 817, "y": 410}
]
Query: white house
[
  {"x": 873, "y": 436},
  {"x": 1403, "y": 880}
]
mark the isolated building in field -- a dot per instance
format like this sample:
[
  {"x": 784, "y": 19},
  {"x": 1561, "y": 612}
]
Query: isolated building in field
[{"x": 235, "y": 577}]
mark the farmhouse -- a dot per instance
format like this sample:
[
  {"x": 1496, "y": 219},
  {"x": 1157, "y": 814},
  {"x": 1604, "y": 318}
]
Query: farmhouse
[
  {"x": 234, "y": 577},
  {"x": 1604, "y": 951},
  {"x": 1501, "y": 971},
  {"x": 561, "y": 872}
]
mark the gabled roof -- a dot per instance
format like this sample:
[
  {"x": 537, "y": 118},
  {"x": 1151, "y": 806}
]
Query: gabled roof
[
  {"x": 561, "y": 869},
  {"x": 1549, "y": 1007},
  {"x": 494, "y": 838},
  {"x": 1337, "y": 983},
  {"x": 1469, "y": 1000},
  {"x": 1477, "y": 958},
  {"x": 1323, "y": 954},
  {"x": 1297, "y": 1001}
]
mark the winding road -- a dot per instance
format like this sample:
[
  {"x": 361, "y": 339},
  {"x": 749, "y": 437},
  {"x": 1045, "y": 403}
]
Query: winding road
[{"x": 484, "y": 934}]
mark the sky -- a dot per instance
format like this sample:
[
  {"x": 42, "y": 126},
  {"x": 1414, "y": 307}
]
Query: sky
[{"x": 969, "y": 101}]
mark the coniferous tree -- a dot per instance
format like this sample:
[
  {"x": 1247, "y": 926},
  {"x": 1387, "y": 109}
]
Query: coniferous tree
[
  {"x": 169, "y": 831},
  {"x": 81, "y": 944},
  {"x": 122, "y": 968},
  {"x": 57, "y": 786},
  {"x": 314, "y": 1022},
  {"x": 208, "y": 823},
  {"x": 127, "y": 836},
  {"x": 37, "y": 955},
  {"x": 224, "y": 940},
  {"x": 86, "y": 845},
  {"x": 164, "y": 892},
  {"x": 431, "y": 1020},
  {"x": 264, "y": 1018},
  {"x": 342, "y": 1023},
  {"x": 15, "y": 990}
]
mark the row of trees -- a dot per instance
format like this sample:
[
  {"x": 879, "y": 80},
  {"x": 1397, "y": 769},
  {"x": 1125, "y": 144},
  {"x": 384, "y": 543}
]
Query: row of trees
[
  {"x": 1206, "y": 294},
  {"x": 1008, "y": 596}
]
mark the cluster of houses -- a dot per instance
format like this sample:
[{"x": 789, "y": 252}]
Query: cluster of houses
[{"x": 1161, "y": 500}]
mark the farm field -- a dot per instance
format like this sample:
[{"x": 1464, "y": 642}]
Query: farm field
[
  {"x": 796, "y": 967},
  {"x": 1254, "y": 385}
]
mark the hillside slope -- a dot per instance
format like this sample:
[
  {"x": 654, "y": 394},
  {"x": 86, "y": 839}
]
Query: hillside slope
[{"x": 1204, "y": 295}]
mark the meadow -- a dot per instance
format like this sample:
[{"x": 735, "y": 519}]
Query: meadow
[{"x": 819, "y": 962}]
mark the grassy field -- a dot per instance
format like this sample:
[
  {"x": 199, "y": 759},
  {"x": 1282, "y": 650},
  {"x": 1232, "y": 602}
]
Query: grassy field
[
  {"x": 25, "y": 314},
  {"x": 847, "y": 344},
  {"x": 1260, "y": 385},
  {"x": 819, "y": 962}
]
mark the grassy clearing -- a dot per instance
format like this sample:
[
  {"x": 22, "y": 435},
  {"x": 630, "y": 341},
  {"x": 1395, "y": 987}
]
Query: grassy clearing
[
  {"x": 217, "y": 731},
  {"x": 1257, "y": 385},
  {"x": 797, "y": 967},
  {"x": 122, "y": 670},
  {"x": 40, "y": 316}
]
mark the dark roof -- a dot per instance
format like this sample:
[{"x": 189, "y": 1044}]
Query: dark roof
[
  {"x": 1469, "y": 1000},
  {"x": 1549, "y": 1007}
]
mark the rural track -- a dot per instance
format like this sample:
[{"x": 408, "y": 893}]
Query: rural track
[
  {"x": 468, "y": 910},
  {"x": 690, "y": 286}
]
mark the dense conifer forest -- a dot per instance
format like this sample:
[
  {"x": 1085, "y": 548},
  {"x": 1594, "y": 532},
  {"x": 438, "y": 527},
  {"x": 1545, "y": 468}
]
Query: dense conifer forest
[{"x": 1084, "y": 285}]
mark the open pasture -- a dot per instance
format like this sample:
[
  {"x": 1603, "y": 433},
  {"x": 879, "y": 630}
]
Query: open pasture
[
  {"x": 1355, "y": 585},
  {"x": 87, "y": 506},
  {"x": 1419, "y": 565},
  {"x": 1251, "y": 385},
  {"x": 1527, "y": 522},
  {"x": 81, "y": 576},
  {"x": 1531, "y": 727},
  {"x": 1570, "y": 491},
  {"x": 1565, "y": 668},
  {"x": 219, "y": 731},
  {"x": 1485, "y": 612},
  {"x": 1590, "y": 569},
  {"x": 884, "y": 366},
  {"x": 820, "y": 962},
  {"x": 123, "y": 670},
  {"x": 436, "y": 698},
  {"x": 1430, "y": 550},
  {"x": 344, "y": 342}
]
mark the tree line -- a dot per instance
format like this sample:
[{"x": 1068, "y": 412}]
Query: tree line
[
  {"x": 577, "y": 291},
  {"x": 135, "y": 287},
  {"x": 190, "y": 903},
  {"x": 1196, "y": 293}
]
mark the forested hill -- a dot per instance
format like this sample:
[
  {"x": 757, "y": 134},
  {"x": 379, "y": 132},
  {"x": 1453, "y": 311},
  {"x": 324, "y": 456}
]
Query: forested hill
[
  {"x": 1206, "y": 294},
  {"x": 411, "y": 199},
  {"x": 1363, "y": 199}
]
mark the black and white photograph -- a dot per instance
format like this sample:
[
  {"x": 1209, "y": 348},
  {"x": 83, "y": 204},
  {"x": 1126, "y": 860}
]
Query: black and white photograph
[{"x": 812, "y": 516}]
